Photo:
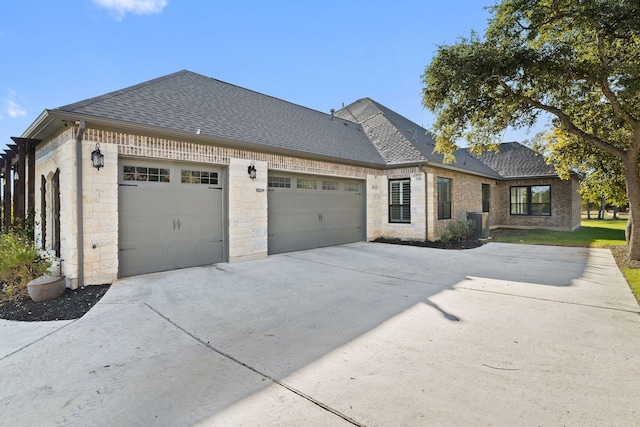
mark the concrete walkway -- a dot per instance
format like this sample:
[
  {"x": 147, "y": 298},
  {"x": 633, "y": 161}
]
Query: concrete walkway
[{"x": 362, "y": 334}]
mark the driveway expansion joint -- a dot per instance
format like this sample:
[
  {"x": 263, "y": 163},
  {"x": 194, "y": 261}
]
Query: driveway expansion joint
[
  {"x": 388, "y": 276},
  {"x": 255, "y": 370},
  {"x": 602, "y": 307},
  {"x": 38, "y": 340}
]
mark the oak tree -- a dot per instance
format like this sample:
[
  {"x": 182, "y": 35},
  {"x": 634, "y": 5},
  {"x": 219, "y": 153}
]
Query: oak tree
[{"x": 576, "y": 61}]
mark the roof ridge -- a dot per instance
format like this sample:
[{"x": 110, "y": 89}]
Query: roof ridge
[
  {"x": 270, "y": 96},
  {"x": 89, "y": 101}
]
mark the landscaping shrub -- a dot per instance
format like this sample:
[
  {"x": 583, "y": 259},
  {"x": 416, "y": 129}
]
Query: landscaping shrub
[
  {"x": 457, "y": 231},
  {"x": 20, "y": 262}
]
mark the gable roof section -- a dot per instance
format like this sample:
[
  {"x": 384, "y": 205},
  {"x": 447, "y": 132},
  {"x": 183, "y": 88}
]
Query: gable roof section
[
  {"x": 186, "y": 101},
  {"x": 399, "y": 140},
  {"x": 515, "y": 161}
]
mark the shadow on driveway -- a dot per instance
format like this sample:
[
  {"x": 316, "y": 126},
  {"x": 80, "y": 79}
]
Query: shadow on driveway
[{"x": 360, "y": 334}]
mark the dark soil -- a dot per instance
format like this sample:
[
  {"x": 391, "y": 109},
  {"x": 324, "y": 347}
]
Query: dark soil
[
  {"x": 73, "y": 304},
  {"x": 465, "y": 244}
]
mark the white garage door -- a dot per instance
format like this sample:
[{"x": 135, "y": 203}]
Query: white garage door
[
  {"x": 308, "y": 212},
  {"x": 170, "y": 216}
]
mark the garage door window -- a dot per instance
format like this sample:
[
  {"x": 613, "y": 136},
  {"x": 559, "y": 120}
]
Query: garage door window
[
  {"x": 199, "y": 177},
  {"x": 351, "y": 186},
  {"x": 400, "y": 200},
  {"x": 307, "y": 184},
  {"x": 329, "y": 185},
  {"x": 279, "y": 182},
  {"x": 143, "y": 173}
]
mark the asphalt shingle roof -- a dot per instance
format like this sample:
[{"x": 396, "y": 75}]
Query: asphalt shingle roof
[
  {"x": 363, "y": 132},
  {"x": 399, "y": 140},
  {"x": 515, "y": 160},
  {"x": 186, "y": 101}
]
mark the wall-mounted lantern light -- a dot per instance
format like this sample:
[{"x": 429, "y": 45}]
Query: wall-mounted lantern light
[
  {"x": 251, "y": 170},
  {"x": 97, "y": 158}
]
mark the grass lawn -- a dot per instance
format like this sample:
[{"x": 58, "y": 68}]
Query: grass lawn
[{"x": 593, "y": 234}]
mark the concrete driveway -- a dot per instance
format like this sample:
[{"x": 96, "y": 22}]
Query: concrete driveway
[{"x": 362, "y": 334}]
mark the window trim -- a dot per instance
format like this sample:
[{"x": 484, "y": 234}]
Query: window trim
[
  {"x": 404, "y": 201},
  {"x": 442, "y": 212},
  {"x": 486, "y": 197},
  {"x": 528, "y": 205}
]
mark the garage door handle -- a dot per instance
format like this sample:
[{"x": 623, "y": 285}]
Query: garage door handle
[
  {"x": 174, "y": 223},
  {"x": 178, "y": 223},
  {"x": 320, "y": 217}
]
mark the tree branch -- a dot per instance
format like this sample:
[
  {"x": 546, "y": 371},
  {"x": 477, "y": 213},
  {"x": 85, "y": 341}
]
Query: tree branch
[
  {"x": 604, "y": 83},
  {"x": 564, "y": 119}
]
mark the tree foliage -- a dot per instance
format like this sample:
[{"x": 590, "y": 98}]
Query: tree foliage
[{"x": 577, "y": 61}]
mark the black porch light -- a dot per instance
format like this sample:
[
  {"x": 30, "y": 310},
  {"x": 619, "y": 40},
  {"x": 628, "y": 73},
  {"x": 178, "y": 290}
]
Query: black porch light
[
  {"x": 251, "y": 170},
  {"x": 97, "y": 158}
]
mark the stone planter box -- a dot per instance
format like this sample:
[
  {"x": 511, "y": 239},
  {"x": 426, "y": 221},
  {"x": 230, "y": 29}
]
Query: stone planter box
[{"x": 46, "y": 288}]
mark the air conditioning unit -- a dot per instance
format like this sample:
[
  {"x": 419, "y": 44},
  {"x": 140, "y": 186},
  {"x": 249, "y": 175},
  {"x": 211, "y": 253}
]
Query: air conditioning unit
[{"x": 481, "y": 220}]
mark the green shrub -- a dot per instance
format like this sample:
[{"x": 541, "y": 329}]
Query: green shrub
[
  {"x": 458, "y": 231},
  {"x": 20, "y": 262}
]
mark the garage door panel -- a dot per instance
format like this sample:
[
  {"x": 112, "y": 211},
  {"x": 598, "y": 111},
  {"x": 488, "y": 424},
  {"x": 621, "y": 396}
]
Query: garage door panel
[
  {"x": 305, "y": 218},
  {"x": 168, "y": 225}
]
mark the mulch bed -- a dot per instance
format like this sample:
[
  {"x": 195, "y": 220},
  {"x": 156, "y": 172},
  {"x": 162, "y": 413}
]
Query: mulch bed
[
  {"x": 465, "y": 244},
  {"x": 73, "y": 304}
]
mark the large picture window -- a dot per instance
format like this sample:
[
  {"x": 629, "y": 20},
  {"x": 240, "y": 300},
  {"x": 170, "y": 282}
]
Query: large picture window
[
  {"x": 532, "y": 200},
  {"x": 400, "y": 200},
  {"x": 444, "y": 198}
]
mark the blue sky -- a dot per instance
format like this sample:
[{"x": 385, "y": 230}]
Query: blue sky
[{"x": 316, "y": 54}]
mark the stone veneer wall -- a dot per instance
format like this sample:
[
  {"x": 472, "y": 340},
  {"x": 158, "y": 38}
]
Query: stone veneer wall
[
  {"x": 247, "y": 199},
  {"x": 378, "y": 224},
  {"x": 100, "y": 208},
  {"x": 247, "y": 211}
]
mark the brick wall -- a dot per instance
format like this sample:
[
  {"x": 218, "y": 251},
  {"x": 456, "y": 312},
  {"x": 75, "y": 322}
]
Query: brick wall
[
  {"x": 466, "y": 196},
  {"x": 565, "y": 206}
]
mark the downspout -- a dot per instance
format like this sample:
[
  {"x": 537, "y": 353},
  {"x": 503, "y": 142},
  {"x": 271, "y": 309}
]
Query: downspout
[
  {"x": 79, "y": 209},
  {"x": 422, "y": 167}
]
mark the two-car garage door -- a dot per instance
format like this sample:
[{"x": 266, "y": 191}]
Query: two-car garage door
[{"x": 308, "y": 212}]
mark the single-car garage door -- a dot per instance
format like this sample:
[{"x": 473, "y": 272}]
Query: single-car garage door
[
  {"x": 170, "y": 216},
  {"x": 308, "y": 212}
]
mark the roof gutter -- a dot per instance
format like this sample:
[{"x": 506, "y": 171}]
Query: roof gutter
[
  {"x": 79, "y": 207},
  {"x": 40, "y": 123},
  {"x": 422, "y": 164}
]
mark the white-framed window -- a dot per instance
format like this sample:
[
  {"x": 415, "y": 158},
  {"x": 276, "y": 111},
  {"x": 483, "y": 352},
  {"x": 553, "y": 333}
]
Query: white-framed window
[{"x": 400, "y": 200}]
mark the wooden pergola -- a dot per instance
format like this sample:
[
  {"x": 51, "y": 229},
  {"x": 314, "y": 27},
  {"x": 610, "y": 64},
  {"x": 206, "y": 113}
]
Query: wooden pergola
[{"x": 18, "y": 172}]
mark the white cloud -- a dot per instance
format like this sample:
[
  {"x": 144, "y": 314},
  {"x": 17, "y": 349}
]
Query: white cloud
[
  {"x": 9, "y": 106},
  {"x": 136, "y": 7},
  {"x": 14, "y": 110}
]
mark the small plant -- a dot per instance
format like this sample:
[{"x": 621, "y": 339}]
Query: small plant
[
  {"x": 20, "y": 262},
  {"x": 458, "y": 231}
]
